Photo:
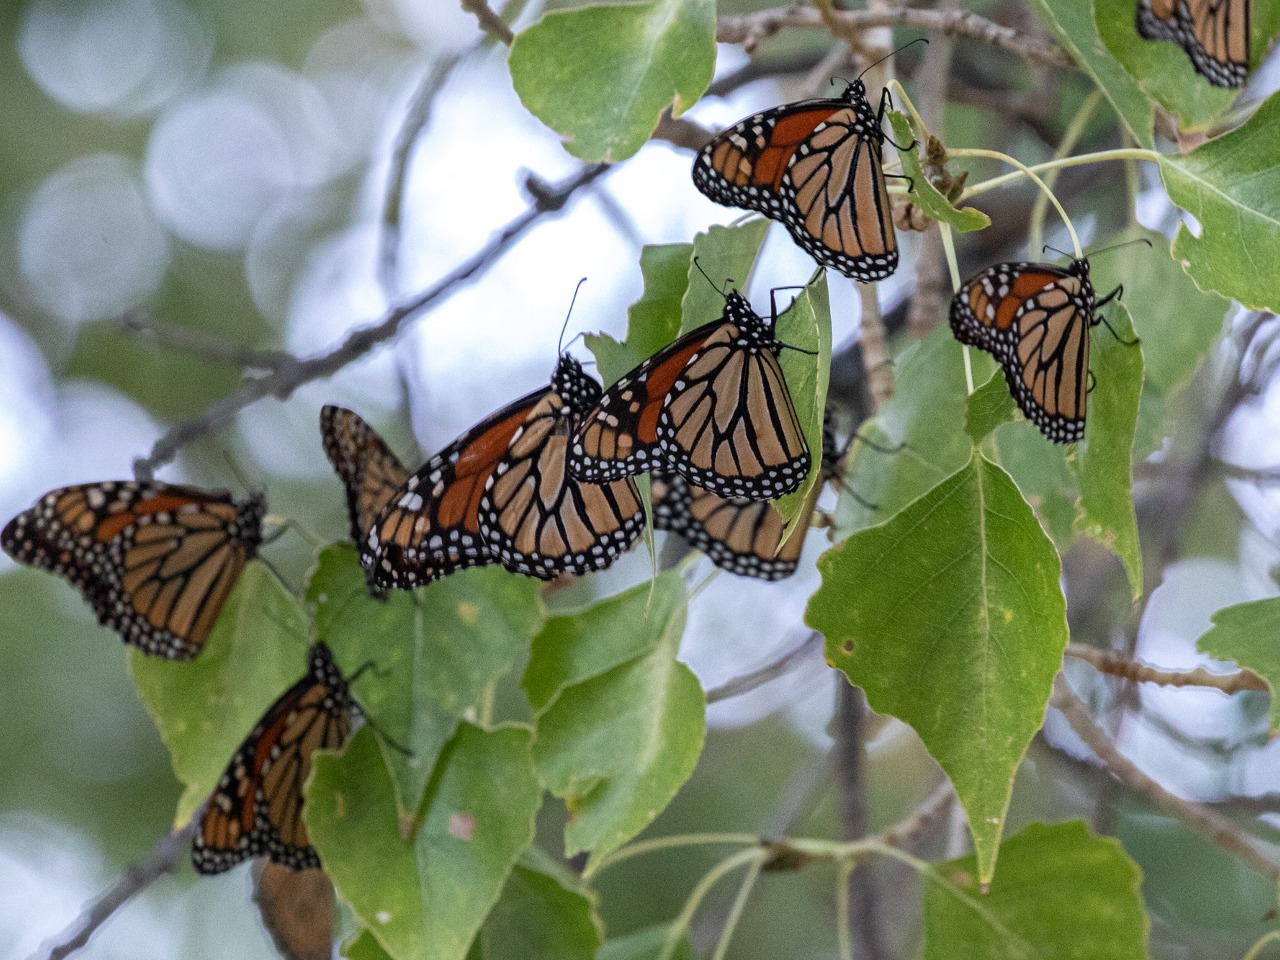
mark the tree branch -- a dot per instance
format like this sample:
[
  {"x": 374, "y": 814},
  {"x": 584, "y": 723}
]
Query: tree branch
[
  {"x": 1117, "y": 665},
  {"x": 1196, "y": 816},
  {"x": 135, "y": 879},
  {"x": 770, "y": 671},
  {"x": 192, "y": 341},
  {"x": 490, "y": 22},
  {"x": 749, "y": 29},
  {"x": 547, "y": 199}
]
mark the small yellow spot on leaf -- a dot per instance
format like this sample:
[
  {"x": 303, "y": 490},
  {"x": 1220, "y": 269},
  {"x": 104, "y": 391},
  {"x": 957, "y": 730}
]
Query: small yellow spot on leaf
[
  {"x": 469, "y": 613},
  {"x": 383, "y": 917}
]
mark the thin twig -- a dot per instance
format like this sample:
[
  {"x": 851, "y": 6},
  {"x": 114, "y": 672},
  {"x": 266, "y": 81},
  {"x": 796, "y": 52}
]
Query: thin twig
[
  {"x": 547, "y": 199},
  {"x": 192, "y": 341},
  {"x": 770, "y": 671},
  {"x": 875, "y": 349},
  {"x": 490, "y": 22},
  {"x": 904, "y": 831},
  {"x": 416, "y": 118},
  {"x": 1197, "y": 816},
  {"x": 168, "y": 850},
  {"x": 1117, "y": 665},
  {"x": 749, "y": 29}
]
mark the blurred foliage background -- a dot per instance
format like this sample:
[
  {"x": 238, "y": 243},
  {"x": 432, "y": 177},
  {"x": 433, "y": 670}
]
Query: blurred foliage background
[{"x": 221, "y": 169}]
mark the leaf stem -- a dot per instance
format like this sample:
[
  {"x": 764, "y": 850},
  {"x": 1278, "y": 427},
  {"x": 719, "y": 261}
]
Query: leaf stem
[
  {"x": 669, "y": 843},
  {"x": 1256, "y": 950},
  {"x": 700, "y": 891},
  {"x": 1028, "y": 172},
  {"x": 1070, "y": 138},
  {"x": 1132, "y": 153},
  {"x": 844, "y": 928},
  {"x": 949, "y": 247},
  {"x": 735, "y": 912}
]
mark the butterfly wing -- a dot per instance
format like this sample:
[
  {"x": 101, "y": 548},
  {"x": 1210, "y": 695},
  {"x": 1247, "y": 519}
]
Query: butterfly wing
[
  {"x": 540, "y": 521},
  {"x": 728, "y": 424},
  {"x": 257, "y": 805},
  {"x": 618, "y": 437},
  {"x": 371, "y": 474},
  {"x": 1214, "y": 34},
  {"x": 155, "y": 562},
  {"x": 1034, "y": 319},
  {"x": 815, "y": 166},
  {"x": 431, "y": 526}
]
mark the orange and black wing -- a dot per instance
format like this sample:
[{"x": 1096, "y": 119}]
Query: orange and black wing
[
  {"x": 728, "y": 424},
  {"x": 618, "y": 437},
  {"x": 1214, "y": 34},
  {"x": 1034, "y": 319},
  {"x": 257, "y": 806},
  {"x": 155, "y": 562},
  {"x": 816, "y": 167},
  {"x": 371, "y": 474},
  {"x": 542, "y": 522},
  {"x": 431, "y": 525}
]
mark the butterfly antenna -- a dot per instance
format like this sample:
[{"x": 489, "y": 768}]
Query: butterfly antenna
[
  {"x": 559, "y": 343},
  {"x": 1117, "y": 246},
  {"x": 1061, "y": 253},
  {"x": 720, "y": 290},
  {"x": 891, "y": 54},
  {"x": 863, "y": 438},
  {"x": 240, "y": 475}
]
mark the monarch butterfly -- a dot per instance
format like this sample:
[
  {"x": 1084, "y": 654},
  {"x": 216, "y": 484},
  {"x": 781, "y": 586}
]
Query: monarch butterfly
[
  {"x": 1034, "y": 318},
  {"x": 371, "y": 474},
  {"x": 1214, "y": 34},
  {"x": 740, "y": 536},
  {"x": 815, "y": 166},
  {"x": 712, "y": 407},
  {"x": 257, "y": 805},
  {"x": 500, "y": 494},
  {"x": 155, "y": 562}
]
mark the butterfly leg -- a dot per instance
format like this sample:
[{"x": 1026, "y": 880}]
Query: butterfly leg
[
  {"x": 1113, "y": 295},
  {"x": 886, "y": 101},
  {"x": 911, "y": 184}
]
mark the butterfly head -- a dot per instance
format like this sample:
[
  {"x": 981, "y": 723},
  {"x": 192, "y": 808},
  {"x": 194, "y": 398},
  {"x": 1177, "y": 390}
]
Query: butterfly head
[
  {"x": 579, "y": 391},
  {"x": 249, "y": 519}
]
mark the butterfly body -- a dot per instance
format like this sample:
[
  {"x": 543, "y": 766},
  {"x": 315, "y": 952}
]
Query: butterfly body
[
  {"x": 256, "y": 808},
  {"x": 500, "y": 494},
  {"x": 1214, "y": 34},
  {"x": 154, "y": 561},
  {"x": 815, "y": 166},
  {"x": 712, "y": 407},
  {"x": 1035, "y": 318}
]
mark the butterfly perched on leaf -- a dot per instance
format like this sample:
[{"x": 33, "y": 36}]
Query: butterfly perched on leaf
[
  {"x": 1214, "y": 34},
  {"x": 1035, "y": 319},
  {"x": 815, "y": 166},
  {"x": 712, "y": 407},
  {"x": 256, "y": 808},
  {"x": 156, "y": 562},
  {"x": 371, "y": 474},
  {"x": 501, "y": 493},
  {"x": 740, "y": 536}
]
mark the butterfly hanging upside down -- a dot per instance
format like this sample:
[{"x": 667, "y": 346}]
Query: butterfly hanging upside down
[
  {"x": 501, "y": 493},
  {"x": 257, "y": 806},
  {"x": 1035, "y": 318},
  {"x": 156, "y": 562},
  {"x": 815, "y": 166},
  {"x": 712, "y": 407}
]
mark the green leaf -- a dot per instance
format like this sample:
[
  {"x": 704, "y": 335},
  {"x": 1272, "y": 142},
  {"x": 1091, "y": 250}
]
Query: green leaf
[
  {"x": 538, "y": 918},
  {"x": 364, "y": 946},
  {"x": 601, "y": 76},
  {"x": 576, "y": 647},
  {"x": 645, "y": 945},
  {"x": 205, "y": 707},
  {"x": 988, "y": 407},
  {"x": 434, "y": 651},
  {"x": 725, "y": 253},
  {"x": 1043, "y": 475},
  {"x": 1072, "y": 23},
  {"x": 1231, "y": 185},
  {"x": 1061, "y": 894},
  {"x": 425, "y": 897},
  {"x": 924, "y": 194},
  {"x": 951, "y": 617},
  {"x": 1246, "y": 633},
  {"x": 1105, "y": 460},
  {"x": 806, "y": 325},
  {"x": 618, "y": 746},
  {"x": 927, "y": 413},
  {"x": 1162, "y": 70}
]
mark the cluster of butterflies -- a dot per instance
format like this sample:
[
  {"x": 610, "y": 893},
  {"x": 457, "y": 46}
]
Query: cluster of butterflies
[{"x": 544, "y": 486}]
